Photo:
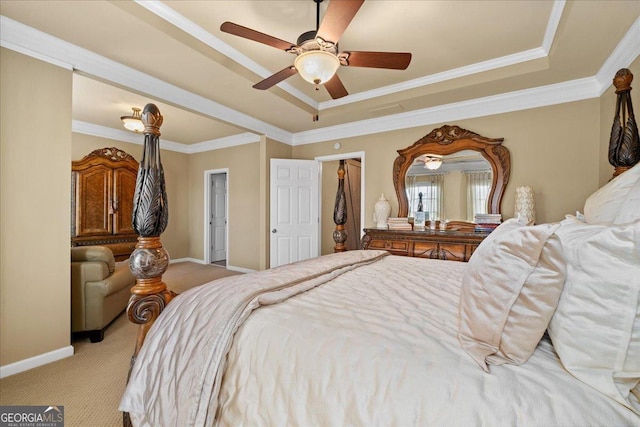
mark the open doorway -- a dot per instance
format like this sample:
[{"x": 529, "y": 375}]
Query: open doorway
[
  {"x": 216, "y": 224},
  {"x": 354, "y": 191}
]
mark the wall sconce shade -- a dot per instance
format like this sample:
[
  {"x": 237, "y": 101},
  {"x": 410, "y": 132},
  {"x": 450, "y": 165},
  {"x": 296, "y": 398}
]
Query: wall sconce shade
[
  {"x": 133, "y": 122},
  {"x": 317, "y": 66}
]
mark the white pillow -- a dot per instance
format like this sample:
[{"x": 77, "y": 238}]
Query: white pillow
[
  {"x": 630, "y": 209},
  {"x": 509, "y": 292},
  {"x": 596, "y": 327},
  {"x": 603, "y": 206}
]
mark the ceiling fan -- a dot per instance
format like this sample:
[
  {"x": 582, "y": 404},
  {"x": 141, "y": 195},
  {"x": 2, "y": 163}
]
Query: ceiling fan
[{"x": 317, "y": 55}]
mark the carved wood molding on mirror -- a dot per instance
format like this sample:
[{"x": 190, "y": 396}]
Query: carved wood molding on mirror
[{"x": 448, "y": 140}]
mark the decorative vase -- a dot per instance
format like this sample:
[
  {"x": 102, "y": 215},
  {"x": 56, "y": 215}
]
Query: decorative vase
[
  {"x": 381, "y": 212},
  {"x": 525, "y": 208}
]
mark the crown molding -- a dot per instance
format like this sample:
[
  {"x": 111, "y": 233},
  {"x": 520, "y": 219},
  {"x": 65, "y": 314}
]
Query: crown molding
[
  {"x": 552, "y": 25},
  {"x": 189, "y": 27},
  {"x": 86, "y": 128},
  {"x": 194, "y": 30},
  {"x": 480, "y": 67},
  {"x": 229, "y": 141},
  {"x": 138, "y": 138},
  {"x": 575, "y": 90},
  {"x": 31, "y": 40},
  {"x": 627, "y": 50}
]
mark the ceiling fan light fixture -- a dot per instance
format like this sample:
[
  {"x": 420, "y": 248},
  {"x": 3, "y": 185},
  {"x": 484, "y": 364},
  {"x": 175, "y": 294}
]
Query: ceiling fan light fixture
[
  {"x": 133, "y": 122},
  {"x": 317, "y": 66},
  {"x": 433, "y": 163}
]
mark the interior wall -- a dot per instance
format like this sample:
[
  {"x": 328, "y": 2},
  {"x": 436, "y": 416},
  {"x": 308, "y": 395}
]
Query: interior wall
[
  {"x": 607, "y": 113},
  {"x": 175, "y": 238},
  {"x": 454, "y": 207},
  {"x": 35, "y": 158},
  {"x": 554, "y": 149},
  {"x": 243, "y": 181}
]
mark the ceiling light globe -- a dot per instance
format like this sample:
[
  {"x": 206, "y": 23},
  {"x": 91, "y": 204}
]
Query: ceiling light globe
[
  {"x": 432, "y": 164},
  {"x": 133, "y": 122},
  {"x": 317, "y": 66}
]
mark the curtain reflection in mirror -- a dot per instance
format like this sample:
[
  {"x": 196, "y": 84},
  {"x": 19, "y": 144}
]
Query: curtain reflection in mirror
[{"x": 478, "y": 188}]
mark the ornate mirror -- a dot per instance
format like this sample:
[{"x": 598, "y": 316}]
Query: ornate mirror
[{"x": 436, "y": 153}]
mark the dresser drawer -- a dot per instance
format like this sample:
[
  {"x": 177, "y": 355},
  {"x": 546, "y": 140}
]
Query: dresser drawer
[
  {"x": 453, "y": 251},
  {"x": 396, "y": 247},
  {"x": 425, "y": 250}
]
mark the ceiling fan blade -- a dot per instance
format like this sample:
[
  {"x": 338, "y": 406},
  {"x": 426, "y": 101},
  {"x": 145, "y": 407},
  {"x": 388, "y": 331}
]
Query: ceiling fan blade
[
  {"x": 276, "y": 78},
  {"x": 335, "y": 87},
  {"x": 248, "y": 33},
  {"x": 336, "y": 19},
  {"x": 390, "y": 60}
]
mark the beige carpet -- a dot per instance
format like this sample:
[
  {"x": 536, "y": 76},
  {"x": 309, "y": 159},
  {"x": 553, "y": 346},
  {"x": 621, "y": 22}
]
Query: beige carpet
[{"x": 90, "y": 383}]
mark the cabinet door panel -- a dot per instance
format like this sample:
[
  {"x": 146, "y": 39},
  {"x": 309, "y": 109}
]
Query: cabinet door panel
[
  {"x": 93, "y": 200},
  {"x": 124, "y": 184}
]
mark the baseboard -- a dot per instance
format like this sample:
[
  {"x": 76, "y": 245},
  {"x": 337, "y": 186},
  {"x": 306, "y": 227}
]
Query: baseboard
[
  {"x": 240, "y": 269},
  {"x": 34, "y": 362},
  {"x": 201, "y": 261},
  {"x": 197, "y": 261}
]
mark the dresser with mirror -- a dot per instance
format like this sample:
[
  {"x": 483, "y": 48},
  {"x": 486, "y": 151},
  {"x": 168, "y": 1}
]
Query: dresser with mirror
[{"x": 463, "y": 162}]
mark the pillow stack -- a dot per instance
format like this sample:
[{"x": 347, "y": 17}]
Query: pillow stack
[
  {"x": 509, "y": 292},
  {"x": 596, "y": 327},
  {"x": 516, "y": 286}
]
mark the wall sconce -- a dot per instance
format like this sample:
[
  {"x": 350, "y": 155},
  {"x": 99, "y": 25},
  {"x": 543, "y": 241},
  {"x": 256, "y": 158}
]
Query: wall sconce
[{"x": 133, "y": 122}]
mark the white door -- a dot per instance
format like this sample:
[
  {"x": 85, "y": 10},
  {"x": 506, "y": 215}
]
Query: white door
[
  {"x": 218, "y": 218},
  {"x": 294, "y": 211}
]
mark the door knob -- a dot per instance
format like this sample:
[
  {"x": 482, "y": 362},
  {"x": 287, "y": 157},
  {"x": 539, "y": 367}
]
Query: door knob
[{"x": 274, "y": 231}]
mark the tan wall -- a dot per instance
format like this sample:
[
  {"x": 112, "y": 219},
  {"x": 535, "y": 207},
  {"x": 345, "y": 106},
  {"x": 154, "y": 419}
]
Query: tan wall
[
  {"x": 607, "y": 113},
  {"x": 553, "y": 149},
  {"x": 175, "y": 238},
  {"x": 243, "y": 186},
  {"x": 35, "y": 154},
  {"x": 454, "y": 207}
]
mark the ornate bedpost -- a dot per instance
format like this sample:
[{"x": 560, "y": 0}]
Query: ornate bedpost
[
  {"x": 340, "y": 213},
  {"x": 149, "y": 260},
  {"x": 150, "y": 216},
  {"x": 624, "y": 144}
]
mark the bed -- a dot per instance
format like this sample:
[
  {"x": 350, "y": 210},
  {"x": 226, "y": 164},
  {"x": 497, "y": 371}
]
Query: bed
[{"x": 540, "y": 328}]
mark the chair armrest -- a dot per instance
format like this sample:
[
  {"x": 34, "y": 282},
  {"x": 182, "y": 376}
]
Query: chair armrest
[{"x": 94, "y": 253}]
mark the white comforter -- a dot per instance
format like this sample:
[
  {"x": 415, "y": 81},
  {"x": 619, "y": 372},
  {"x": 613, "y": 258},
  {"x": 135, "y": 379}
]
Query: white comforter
[{"x": 371, "y": 345}]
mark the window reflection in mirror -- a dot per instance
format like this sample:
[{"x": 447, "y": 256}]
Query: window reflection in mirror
[{"x": 453, "y": 187}]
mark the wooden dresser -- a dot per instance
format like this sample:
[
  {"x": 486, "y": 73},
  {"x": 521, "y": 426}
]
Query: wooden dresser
[
  {"x": 435, "y": 244},
  {"x": 103, "y": 183}
]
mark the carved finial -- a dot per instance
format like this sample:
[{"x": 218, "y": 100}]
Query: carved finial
[
  {"x": 622, "y": 80},
  {"x": 152, "y": 119}
]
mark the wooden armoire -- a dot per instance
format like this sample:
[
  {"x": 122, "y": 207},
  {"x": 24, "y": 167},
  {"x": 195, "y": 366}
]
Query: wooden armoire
[{"x": 103, "y": 184}]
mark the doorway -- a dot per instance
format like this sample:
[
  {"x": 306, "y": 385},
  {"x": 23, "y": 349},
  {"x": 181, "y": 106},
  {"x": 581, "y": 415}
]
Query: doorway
[
  {"x": 354, "y": 191},
  {"x": 216, "y": 224}
]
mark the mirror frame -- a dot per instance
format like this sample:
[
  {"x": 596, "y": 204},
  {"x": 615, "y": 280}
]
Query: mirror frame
[{"x": 448, "y": 140}]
